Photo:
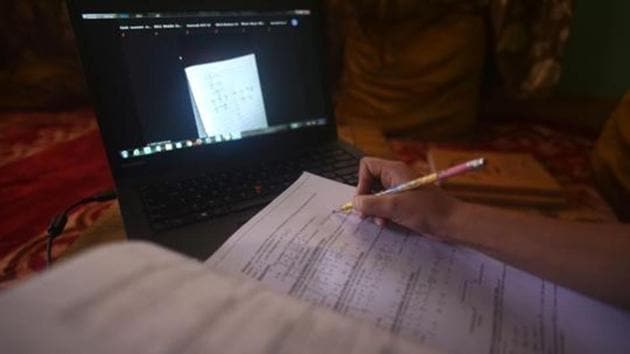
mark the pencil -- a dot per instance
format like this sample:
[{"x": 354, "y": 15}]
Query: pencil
[{"x": 428, "y": 179}]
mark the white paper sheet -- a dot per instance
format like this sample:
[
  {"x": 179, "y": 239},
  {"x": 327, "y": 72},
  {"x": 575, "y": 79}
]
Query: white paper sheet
[
  {"x": 451, "y": 298},
  {"x": 227, "y": 97},
  {"x": 138, "y": 298}
]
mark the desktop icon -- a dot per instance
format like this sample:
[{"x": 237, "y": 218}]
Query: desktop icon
[
  {"x": 136, "y": 152},
  {"x": 147, "y": 150},
  {"x": 124, "y": 154},
  {"x": 168, "y": 147},
  {"x": 178, "y": 145}
]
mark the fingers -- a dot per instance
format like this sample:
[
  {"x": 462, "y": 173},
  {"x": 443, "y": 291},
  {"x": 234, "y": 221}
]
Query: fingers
[
  {"x": 424, "y": 210},
  {"x": 369, "y": 171},
  {"x": 401, "y": 209},
  {"x": 386, "y": 172},
  {"x": 389, "y": 174},
  {"x": 384, "y": 207}
]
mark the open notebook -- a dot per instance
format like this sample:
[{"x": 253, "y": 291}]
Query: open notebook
[
  {"x": 138, "y": 298},
  {"x": 297, "y": 278}
]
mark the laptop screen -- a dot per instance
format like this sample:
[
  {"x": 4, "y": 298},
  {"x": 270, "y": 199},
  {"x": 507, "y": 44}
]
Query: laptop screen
[{"x": 179, "y": 80}]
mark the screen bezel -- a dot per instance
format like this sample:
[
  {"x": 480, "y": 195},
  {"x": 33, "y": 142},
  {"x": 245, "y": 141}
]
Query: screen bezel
[{"x": 223, "y": 153}]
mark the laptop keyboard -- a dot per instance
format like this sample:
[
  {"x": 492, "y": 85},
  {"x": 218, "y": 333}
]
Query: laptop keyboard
[{"x": 210, "y": 195}]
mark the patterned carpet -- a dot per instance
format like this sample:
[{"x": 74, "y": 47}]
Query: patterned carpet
[
  {"x": 47, "y": 162},
  {"x": 50, "y": 160}
]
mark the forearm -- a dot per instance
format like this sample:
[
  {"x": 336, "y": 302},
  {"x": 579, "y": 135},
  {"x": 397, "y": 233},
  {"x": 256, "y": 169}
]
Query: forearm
[{"x": 590, "y": 258}]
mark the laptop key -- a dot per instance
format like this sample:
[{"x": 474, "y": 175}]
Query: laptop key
[
  {"x": 249, "y": 204},
  {"x": 347, "y": 171},
  {"x": 352, "y": 180},
  {"x": 344, "y": 164},
  {"x": 215, "y": 194}
]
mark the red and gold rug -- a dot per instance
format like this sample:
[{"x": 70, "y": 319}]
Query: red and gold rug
[{"x": 47, "y": 162}]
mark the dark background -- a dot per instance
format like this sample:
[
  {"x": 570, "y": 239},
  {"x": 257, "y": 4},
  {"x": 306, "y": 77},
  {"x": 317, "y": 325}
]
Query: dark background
[{"x": 146, "y": 69}]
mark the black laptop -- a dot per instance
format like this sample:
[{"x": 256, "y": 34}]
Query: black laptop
[{"x": 208, "y": 110}]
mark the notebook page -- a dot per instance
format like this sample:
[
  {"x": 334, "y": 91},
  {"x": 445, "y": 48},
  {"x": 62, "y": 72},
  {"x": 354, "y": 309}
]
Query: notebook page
[
  {"x": 138, "y": 298},
  {"x": 450, "y": 298}
]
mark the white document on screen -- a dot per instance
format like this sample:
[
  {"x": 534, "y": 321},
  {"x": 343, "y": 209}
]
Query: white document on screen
[
  {"x": 451, "y": 298},
  {"x": 227, "y": 97}
]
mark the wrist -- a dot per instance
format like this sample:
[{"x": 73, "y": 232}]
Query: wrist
[
  {"x": 471, "y": 225},
  {"x": 452, "y": 224},
  {"x": 444, "y": 223}
]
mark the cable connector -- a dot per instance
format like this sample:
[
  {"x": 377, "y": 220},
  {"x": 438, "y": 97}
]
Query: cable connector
[{"x": 58, "y": 223}]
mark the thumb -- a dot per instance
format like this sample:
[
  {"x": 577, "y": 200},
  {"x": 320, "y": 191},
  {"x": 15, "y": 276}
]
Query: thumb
[{"x": 370, "y": 205}]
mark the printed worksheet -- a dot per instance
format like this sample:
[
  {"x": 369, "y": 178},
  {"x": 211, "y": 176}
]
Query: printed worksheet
[
  {"x": 451, "y": 298},
  {"x": 227, "y": 97}
]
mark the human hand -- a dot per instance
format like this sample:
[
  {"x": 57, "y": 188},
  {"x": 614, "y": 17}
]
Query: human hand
[{"x": 423, "y": 210}]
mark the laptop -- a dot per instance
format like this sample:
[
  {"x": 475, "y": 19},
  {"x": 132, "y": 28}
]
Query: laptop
[{"x": 208, "y": 110}]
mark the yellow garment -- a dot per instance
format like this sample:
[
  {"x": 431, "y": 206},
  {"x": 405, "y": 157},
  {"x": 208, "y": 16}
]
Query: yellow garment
[
  {"x": 611, "y": 159},
  {"x": 413, "y": 77}
]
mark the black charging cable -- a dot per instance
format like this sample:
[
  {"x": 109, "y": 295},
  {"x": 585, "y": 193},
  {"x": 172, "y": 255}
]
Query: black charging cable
[{"x": 58, "y": 223}]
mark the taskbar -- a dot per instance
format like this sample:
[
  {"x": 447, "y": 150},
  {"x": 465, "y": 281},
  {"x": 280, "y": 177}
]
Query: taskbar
[{"x": 166, "y": 146}]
